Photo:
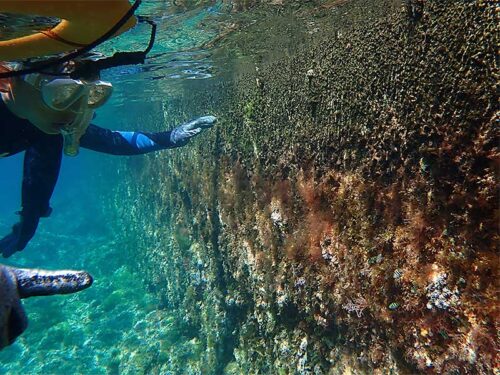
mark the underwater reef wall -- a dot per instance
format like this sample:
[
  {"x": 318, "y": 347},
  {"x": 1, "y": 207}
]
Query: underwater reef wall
[{"x": 343, "y": 215}]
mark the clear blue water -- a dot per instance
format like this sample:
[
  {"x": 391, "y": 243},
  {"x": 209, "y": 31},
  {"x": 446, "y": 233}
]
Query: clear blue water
[
  {"x": 125, "y": 324},
  {"x": 81, "y": 333}
]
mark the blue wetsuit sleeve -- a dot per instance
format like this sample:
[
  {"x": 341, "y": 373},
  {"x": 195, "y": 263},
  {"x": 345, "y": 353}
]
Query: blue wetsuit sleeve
[
  {"x": 42, "y": 162},
  {"x": 125, "y": 143}
]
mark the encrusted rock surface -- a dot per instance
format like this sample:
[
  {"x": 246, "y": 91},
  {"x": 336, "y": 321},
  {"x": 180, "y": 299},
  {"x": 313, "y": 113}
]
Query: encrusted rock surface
[{"x": 342, "y": 217}]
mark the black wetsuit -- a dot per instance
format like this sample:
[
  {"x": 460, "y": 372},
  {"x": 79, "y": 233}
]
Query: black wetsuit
[{"x": 43, "y": 155}]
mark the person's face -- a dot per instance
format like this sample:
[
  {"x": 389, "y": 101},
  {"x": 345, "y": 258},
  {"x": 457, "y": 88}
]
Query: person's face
[
  {"x": 29, "y": 104},
  {"x": 59, "y": 104}
]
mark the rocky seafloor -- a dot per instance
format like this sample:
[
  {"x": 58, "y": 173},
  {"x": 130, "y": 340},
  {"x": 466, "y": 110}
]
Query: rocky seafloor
[
  {"x": 343, "y": 215},
  {"x": 115, "y": 327}
]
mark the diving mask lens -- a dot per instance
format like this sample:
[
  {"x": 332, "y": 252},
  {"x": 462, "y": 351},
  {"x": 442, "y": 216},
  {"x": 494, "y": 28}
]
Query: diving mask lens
[
  {"x": 99, "y": 93},
  {"x": 61, "y": 93}
]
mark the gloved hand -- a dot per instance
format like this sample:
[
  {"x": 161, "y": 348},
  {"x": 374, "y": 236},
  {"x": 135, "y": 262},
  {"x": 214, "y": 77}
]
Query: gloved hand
[
  {"x": 181, "y": 134},
  {"x": 21, "y": 233},
  {"x": 17, "y": 283}
]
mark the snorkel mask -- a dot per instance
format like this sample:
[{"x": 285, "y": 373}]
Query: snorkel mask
[{"x": 81, "y": 97}]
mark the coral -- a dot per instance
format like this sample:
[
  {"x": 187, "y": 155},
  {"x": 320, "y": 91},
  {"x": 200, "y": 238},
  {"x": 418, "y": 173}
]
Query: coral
[
  {"x": 439, "y": 295},
  {"x": 357, "y": 306}
]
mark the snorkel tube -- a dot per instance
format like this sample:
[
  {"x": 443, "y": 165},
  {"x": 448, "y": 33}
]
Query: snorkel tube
[{"x": 74, "y": 131}]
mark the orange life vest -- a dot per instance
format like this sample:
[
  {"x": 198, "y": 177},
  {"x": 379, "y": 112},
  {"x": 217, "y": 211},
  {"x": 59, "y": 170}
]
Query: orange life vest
[{"x": 82, "y": 22}]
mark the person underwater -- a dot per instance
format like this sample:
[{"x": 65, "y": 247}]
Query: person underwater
[
  {"x": 46, "y": 107},
  {"x": 49, "y": 114}
]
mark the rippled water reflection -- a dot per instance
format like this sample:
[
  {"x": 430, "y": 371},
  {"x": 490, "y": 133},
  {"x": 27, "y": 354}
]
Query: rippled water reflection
[
  {"x": 177, "y": 52},
  {"x": 196, "y": 39}
]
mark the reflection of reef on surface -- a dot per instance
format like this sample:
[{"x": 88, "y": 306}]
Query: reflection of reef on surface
[{"x": 343, "y": 215}]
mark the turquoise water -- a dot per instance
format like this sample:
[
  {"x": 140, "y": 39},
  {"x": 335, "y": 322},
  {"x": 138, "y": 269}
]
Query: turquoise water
[
  {"x": 117, "y": 325},
  {"x": 104, "y": 328}
]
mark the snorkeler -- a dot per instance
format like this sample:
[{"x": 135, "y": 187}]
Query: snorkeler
[
  {"x": 46, "y": 106},
  {"x": 48, "y": 114},
  {"x": 17, "y": 283}
]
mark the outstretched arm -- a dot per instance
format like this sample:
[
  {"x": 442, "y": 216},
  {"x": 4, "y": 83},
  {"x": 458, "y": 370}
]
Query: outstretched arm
[{"x": 136, "y": 143}]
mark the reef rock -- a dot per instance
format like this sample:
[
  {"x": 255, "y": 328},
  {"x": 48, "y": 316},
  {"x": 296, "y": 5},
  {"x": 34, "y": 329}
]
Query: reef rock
[{"x": 343, "y": 215}]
